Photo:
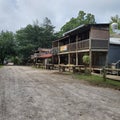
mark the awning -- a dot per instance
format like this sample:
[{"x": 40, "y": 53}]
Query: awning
[{"x": 46, "y": 56}]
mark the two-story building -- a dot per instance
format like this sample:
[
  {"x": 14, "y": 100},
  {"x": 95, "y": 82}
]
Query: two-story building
[
  {"x": 91, "y": 39},
  {"x": 42, "y": 56}
]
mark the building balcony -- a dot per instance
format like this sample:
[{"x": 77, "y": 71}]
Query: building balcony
[{"x": 81, "y": 45}]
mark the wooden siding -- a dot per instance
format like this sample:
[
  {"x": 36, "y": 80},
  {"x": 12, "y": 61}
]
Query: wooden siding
[
  {"x": 99, "y": 44},
  {"x": 100, "y": 34}
]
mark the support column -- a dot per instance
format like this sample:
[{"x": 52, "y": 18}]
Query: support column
[
  {"x": 68, "y": 58},
  {"x": 77, "y": 50},
  {"x": 90, "y": 50},
  {"x": 76, "y": 58},
  {"x": 90, "y": 54},
  {"x": 58, "y": 53},
  {"x": 58, "y": 59}
]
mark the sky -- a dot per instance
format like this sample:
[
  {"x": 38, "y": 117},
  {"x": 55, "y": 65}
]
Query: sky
[{"x": 16, "y": 14}]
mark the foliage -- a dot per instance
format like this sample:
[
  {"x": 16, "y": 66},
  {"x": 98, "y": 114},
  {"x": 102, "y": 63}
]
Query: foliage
[
  {"x": 16, "y": 60},
  {"x": 7, "y": 45},
  {"x": 86, "y": 59},
  {"x": 34, "y": 36},
  {"x": 82, "y": 18},
  {"x": 0, "y": 66},
  {"x": 114, "y": 19}
]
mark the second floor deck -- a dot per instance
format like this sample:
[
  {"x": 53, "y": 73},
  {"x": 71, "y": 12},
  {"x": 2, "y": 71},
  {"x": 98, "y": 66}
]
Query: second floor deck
[{"x": 81, "y": 45}]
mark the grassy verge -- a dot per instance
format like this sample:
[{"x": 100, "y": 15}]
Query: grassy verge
[
  {"x": 98, "y": 81},
  {"x": 0, "y": 66}
]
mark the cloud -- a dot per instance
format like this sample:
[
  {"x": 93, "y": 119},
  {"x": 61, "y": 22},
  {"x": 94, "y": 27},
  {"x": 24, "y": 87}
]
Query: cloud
[{"x": 15, "y": 14}]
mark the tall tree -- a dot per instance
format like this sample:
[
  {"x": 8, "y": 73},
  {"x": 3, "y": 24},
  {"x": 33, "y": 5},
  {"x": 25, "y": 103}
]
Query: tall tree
[
  {"x": 115, "y": 19},
  {"x": 33, "y": 36},
  {"x": 7, "y": 45},
  {"x": 48, "y": 36},
  {"x": 82, "y": 18}
]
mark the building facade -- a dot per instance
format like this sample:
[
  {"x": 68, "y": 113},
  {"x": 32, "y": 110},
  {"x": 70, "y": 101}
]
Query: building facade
[
  {"x": 91, "y": 39},
  {"x": 42, "y": 56}
]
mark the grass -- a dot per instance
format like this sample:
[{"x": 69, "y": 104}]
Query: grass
[
  {"x": 0, "y": 66},
  {"x": 98, "y": 81}
]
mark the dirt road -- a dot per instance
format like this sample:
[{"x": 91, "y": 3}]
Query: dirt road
[{"x": 30, "y": 94}]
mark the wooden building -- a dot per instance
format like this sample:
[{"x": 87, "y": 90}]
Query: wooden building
[
  {"x": 91, "y": 39},
  {"x": 42, "y": 56}
]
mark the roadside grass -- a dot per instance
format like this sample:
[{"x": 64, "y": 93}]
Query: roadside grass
[
  {"x": 94, "y": 80},
  {"x": 0, "y": 66},
  {"x": 99, "y": 81}
]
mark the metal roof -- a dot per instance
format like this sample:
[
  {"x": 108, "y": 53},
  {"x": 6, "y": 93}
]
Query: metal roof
[
  {"x": 46, "y": 56},
  {"x": 115, "y": 41},
  {"x": 83, "y": 27}
]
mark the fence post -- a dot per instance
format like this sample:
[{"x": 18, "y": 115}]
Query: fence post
[{"x": 104, "y": 74}]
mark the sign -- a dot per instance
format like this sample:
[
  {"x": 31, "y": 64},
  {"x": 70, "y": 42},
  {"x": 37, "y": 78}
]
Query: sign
[{"x": 63, "y": 48}]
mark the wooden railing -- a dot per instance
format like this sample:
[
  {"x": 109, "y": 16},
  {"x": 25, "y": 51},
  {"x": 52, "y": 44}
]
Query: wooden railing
[
  {"x": 72, "y": 46},
  {"x": 83, "y": 44},
  {"x": 79, "y": 45}
]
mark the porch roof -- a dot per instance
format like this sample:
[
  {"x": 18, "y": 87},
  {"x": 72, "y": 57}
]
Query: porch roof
[
  {"x": 115, "y": 41},
  {"x": 45, "y": 56}
]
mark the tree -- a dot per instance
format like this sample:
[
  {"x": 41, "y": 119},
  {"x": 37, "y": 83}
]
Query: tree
[
  {"x": 34, "y": 36},
  {"x": 48, "y": 36},
  {"x": 82, "y": 18},
  {"x": 115, "y": 19},
  {"x": 86, "y": 59},
  {"x": 7, "y": 45}
]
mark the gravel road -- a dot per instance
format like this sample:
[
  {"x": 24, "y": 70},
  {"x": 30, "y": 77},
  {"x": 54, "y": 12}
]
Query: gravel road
[{"x": 31, "y": 94}]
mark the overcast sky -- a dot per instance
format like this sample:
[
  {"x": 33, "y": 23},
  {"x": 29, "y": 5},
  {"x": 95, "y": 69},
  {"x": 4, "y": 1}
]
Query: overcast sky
[{"x": 15, "y": 14}]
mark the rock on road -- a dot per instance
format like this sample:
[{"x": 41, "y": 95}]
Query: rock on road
[{"x": 31, "y": 94}]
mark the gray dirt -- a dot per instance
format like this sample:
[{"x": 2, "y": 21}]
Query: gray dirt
[{"x": 31, "y": 94}]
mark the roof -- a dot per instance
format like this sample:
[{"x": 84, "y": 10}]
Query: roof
[
  {"x": 114, "y": 40},
  {"x": 62, "y": 38},
  {"x": 73, "y": 29},
  {"x": 44, "y": 49},
  {"x": 84, "y": 27},
  {"x": 46, "y": 56},
  {"x": 115, "y": 35}
]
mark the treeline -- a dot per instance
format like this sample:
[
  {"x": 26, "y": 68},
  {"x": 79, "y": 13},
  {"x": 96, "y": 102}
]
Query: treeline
[{"x": 17, "y": 47}]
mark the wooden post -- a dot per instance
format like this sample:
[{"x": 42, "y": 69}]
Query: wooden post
[
  {"x": 68, "y": 58},
  {"x": 77, "y": 50},
  {"x": 58, "y": 53},
  {"x": 104, "y": 74},
  {"x": 76, "y": 58},
  {"x": 58, "y": 59},
  {"x": 90, "y": 53}
]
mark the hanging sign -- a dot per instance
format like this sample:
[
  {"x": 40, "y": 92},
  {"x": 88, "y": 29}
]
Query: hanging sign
[{"x": 63, "y": 48}]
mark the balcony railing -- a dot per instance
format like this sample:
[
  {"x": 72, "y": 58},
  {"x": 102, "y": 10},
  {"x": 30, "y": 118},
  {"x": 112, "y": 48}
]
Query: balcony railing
[
  {"x": 72, "y": 46},
  {"x": 82, "y": 45}
]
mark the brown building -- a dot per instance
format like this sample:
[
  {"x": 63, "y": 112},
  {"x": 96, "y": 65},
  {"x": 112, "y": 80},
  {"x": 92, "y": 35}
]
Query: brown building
[
  {"x": 42, "y": 56},
  {"x": 91, "y": 39}
]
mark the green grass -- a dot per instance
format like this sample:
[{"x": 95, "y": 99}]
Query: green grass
[
  {"x": 98, "y": 81},
  {"x": 0, "y": 66}
]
